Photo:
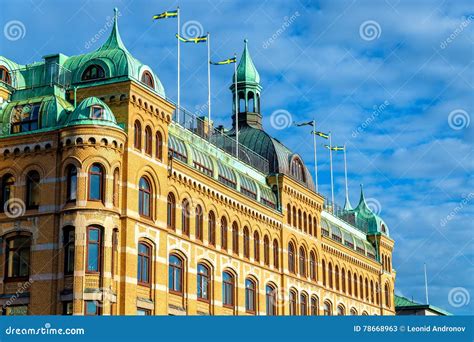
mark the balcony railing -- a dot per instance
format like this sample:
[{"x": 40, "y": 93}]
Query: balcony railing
[
  {"x": 218, "y": 138},
  {"x": 41, "y": 75}
]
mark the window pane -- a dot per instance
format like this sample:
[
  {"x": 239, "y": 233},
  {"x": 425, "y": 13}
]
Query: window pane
[
  {"x": 94, "y": 187},
  {"x": 93, "y": 262}
]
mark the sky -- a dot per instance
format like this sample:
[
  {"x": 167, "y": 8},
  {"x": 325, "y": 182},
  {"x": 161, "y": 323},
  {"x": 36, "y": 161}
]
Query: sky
[{"x": 392, "y": 80}]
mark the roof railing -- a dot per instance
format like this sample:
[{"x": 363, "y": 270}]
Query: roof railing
[
  {"x": 217, "y": 137},
  {"x": 40, "y": 75}
]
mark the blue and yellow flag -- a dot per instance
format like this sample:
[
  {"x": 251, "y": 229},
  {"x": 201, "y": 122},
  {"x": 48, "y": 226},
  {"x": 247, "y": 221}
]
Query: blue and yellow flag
[
  {"x": 227, "y": 61},
  {"x": 321, "y": 134},
  {"x": 195, "y": 40},
  {"x": 167, "y": 14},
  {"x": 335, "y": 148}
]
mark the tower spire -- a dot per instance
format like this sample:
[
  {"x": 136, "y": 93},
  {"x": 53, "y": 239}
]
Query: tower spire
[
  {"x": 114, "y": 41},
  {"x": 248, "y": 91}
]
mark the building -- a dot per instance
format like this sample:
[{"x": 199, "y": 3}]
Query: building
[
  {"x": 114, "y": 202},
  {"x": 405, "y": 306}
]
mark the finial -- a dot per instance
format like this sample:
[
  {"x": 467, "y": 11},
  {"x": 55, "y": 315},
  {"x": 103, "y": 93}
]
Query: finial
[
  {"x": 246, "y": 41},
  {"x": 115, "y": 11}
]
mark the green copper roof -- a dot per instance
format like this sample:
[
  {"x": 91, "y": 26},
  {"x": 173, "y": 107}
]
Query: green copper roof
[
  {"x": 246, "y": 71},
  {"x": 405, "y": 303},
  {"x": 114, "y": 58},
  {"x": 82, "y": 114}
]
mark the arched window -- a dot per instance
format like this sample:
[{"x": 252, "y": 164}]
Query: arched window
[
  {"x": 148, "y": 141},
  {"x": 366, "y": 290},
  {"x": 250, "y": 296},
  {"x": 327, "y": 308},
  {"x": 223, "y": 233},
  {"x": 372, "y": 299},
  {"x": 314, "y": 306},
  {"x": 147, "y": 79},
  {"x": 341, "y": 311},
  {"x": 330, "y": 276},
  {"x": 115, "y": 244},
  {"x": 171, "y": 211},
  {"x": 288, "y": 213},
  {"x": 211, "y": 220},
  {"x": 256, "y": 247},
  {"x": 305, "y": 223},
  {"x": 71, "y": 183},
  {"x": 377, "y": 293},
  {"x": 276, "y": 255},
  {"x": 300, "y": 220},
  {"x": 116, "y": 188},
  {"x": 185, "y": 217},
  {"x": 18, "y": 257},
  {"x": 246, "y": 243},
  {"x": 361, "y": 288},
  {"x": 315, "y": 227},
  {"x": 387, "y": 296},
  {"x": 270, "y": 300},
  {"x": 96, "y": 183},
  {"x": 228, "y": 289},
  {"x": 310, "y": 225},
  {"x": 349, "y": 283},
  {"x": 235, "y": 238},
  {"x": 175, "y": 275},
  {"x": 292, "y": 302},
  {"x": 295, "y": 220},
  {"x": 93, "y": 72},
  {"x": 353, "y": 312},
  {"x": 297, "y": 170},
  {"x": 203, "y": 282},
  {"x": 144, "y": 198},
  {"x": 144, "y": 264},
  {"x": 302, "y": 262},
  {"x": 137, "y": 135},
  {"x": 94, "y": 249},
  {"x": 312, "y": 266},
  {"x": 5, "y": 75},
  {"x": 266, "y": 251},
  {"x": 32, "y": 189},
  {"x": 323, "y": 269},
  {"x": 336, "y": 275},
  {"x": 7, "y": 186},
  {"x": 291, "y": 258},
  {"x": 355, "y": 285},
  {"x": 159, "y": 146},
  {"x": 303, "y": 304},
  {"x": 365, "y": 313},
  {"x": 68, "y": 248},
  {"x": 251, "y": 101},
  {"x": 199, "y": 223}
]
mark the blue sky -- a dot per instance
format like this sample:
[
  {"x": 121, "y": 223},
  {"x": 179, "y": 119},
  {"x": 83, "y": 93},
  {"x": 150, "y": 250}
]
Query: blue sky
[{"x": 393, "y": 80}]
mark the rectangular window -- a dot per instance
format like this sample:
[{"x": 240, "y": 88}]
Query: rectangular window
[
  {"x": 93, "y": 249},
  {"x": 67, "y": 308},
  {"x": 69, "y": 251},
  {"x": 25, "y": 118},
  {"x": 97, "y": 112},
  {"x": 143, "y": 312},
  {"x": 16, "y": 310},
  {"x": 18, "y": 257},
  {"x": 91, "y": 308}
]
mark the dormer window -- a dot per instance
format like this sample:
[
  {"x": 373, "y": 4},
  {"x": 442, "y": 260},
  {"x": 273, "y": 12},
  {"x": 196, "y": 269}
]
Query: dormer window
[
  {"x": 97, "y": 113},
  {"x": 24, "y": 118},
  {"x": 147, "y": 79},
  {"x": 5, "y": 75},
  {"x": 93, "y": 72},
  {"x": 297, "y": 170}
]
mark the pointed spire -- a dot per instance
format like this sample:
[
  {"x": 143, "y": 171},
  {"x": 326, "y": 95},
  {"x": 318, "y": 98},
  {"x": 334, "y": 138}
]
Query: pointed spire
[
  {"x": 362, "y": 197},
  {"x": 246, "y": 70},
  {"x": 347, "y": 203},
  {"x": 114, "y": 41}
]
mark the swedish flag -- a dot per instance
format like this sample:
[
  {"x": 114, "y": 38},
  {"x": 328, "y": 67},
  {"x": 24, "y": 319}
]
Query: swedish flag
[
  {"x": 338, "y": 148},
  {"x": 227, "y": 61},
  {"x": 195, "y": 40},
  {"x": 321, "y": 134},
  {"x": 167, "y": 14}
]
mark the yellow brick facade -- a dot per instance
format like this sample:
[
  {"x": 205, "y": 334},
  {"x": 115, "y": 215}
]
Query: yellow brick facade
[{"x": 115, "y": 288}]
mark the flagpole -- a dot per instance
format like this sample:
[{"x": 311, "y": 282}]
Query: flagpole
[
  {"x": 426, "y": 285},
  {"x": 332, "y": 178},
  {"x": 208, "y": 78},
  {"x": 345, "y": 174},
  {"x": 236, "y": 109},
  {"x": 315, "y": 156},
  {"x": 179, "y": 56}
]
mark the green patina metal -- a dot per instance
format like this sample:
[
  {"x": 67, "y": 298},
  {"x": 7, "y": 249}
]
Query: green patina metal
[
  {"x": 246, "y": 71},
  {"x": 403, "y": 303},
  {"x": 82, "y": 114}
]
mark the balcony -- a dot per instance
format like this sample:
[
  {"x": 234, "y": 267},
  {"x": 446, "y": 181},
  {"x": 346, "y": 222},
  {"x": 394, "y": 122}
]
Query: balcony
[{"x": 41, "y": 75}]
